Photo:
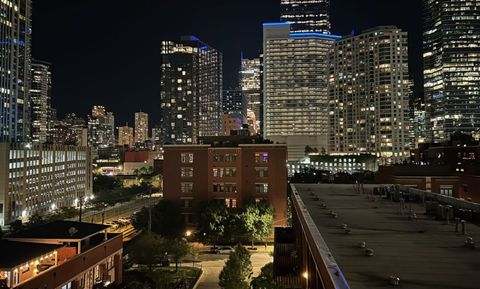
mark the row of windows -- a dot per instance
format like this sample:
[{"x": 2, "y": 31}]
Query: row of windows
[
  {"x": 260, "y": 158},
  {"x": 260, "y": 188}
]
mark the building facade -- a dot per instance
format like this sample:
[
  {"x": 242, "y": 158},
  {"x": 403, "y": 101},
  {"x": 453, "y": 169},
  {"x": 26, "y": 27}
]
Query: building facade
[
  {"x": 40, "y": 95},
  {"x": 191, "y": 90},
  {"x": 101, "y": 128},
  {"x": 233, "y": 101},
  {"x": 451, "y": 57},
  {"x": 62, "y": 255},
  {"x": 41, "y": 178},
  {"x": 295, "y": 88},
  {"x": 234, "y": 175},
  {"x": 125, "y": 136},
  {"x": 141, "y": 127},
  {"x": 307, "y": 15},
  {"x": 369, "y": 95},
  {"x": 15, "y": 61},
  {"x": 250, "y": 84}
]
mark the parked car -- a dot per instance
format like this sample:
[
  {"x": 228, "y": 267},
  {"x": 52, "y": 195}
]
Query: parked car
[{"x": 224, "y": 250}]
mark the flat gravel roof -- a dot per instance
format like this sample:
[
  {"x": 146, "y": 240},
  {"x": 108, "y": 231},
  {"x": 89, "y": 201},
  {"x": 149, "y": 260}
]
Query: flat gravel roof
[{"x": 423, "y": 253}]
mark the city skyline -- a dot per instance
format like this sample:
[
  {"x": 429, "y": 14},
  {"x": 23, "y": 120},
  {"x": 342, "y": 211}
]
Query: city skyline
[{"x": 132, "y": 68}]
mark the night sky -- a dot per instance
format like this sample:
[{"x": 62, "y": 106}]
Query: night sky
[{"x": 107, "y": 52}]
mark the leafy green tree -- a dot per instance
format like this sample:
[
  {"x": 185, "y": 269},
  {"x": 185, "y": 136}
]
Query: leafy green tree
[
  {"x": 237, "y": 269},
  {"x": 144, "y": 175},
  {"x": 265, "y": 279},
  {"x": 213, "y": 221},
  {"x": 167, "y": 220},
  {"x": 148, "y": 250},
  {"x": 105, "y": 183},
  {"x": 177, "y": 249},
  {"x": 257, "y": 220}
]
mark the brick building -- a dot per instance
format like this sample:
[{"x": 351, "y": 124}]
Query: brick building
[
  {"x": 196, "y": 174},
  {"x": 61, "y": 255}
]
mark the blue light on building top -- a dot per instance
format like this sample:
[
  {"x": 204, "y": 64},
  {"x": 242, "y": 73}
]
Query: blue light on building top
[
  {"x": 310, "y": 34},
  {"x": 276, "y": 23}
]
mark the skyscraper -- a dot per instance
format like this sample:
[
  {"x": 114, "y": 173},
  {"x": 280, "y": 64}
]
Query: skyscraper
[
  {"x": 125, "y": 136},
  {"x": 295, "y": 88},
  {"x": 40, "y": 95},
  {"x": 191, "y": 90},
  {"x": 307, "y": 15},
  {"x": 250, "y": 83},
  {"x": 101, "y": 128},
  {"x": 141, "y": 127},
  {"x": 233, "y": 101},
  {"x": 451, "y": 57},
  {"x": 15, "y": 60},
  {"x": 369, "y": 94}
]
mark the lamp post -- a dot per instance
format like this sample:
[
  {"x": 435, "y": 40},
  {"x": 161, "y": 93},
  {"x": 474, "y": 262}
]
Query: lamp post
[{"x": 305, "y": 276}]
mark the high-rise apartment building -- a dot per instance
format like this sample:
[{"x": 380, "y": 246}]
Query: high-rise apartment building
[
  {"x": 250, "y": 84},
  {"x": 369, "y": 94},
  {"x": 125, "y": 136},
  {"x": 15, "y": 60},
  {"x": 141, "y": 127},
  {"x": 40, "y": 178},
  {"x": 451, "y": 57},
  {"x": 191, "y": 90},
  {"x": 307, "y": 15},
  {"x": 40, "y": 95},
  {"x": 101, "y": 128},
  {"x": 295, "y": 88}
]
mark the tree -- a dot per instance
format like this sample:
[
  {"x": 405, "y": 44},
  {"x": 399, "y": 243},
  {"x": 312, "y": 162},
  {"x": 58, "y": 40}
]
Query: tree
[
  {"x": 148, "y": 250},
  {"x": 177, "y": 249},
  {"x": 265, "y": 279},
  {"x": 213, "y": 220},
  {"x": 237, "y": 270},
  {"x": 16, "y": 226},
  {"x": 144, "y": 175},
  {"x": 167, "y": 220},
  {"x": 35, "y": 220},
  {"x": 105, "y": 183},
  {"x": 257, "y": 220}
]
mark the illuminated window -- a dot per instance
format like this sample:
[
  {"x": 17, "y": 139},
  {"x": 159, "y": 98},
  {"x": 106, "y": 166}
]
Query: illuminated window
[
  {"x": 187, "y": 158},
  {"x": 261, "y": 158},
  {"x": 186, "y": 172}
]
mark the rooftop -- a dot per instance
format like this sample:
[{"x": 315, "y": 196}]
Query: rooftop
[
  {"x": 66, "y": 230},
  {"x": 423, "y": 253},
  {"x": 15, "y": 253}
]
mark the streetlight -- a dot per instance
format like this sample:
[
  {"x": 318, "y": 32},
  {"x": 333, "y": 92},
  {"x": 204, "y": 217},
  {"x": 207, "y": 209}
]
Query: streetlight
[{"x": 305, "y": 276}]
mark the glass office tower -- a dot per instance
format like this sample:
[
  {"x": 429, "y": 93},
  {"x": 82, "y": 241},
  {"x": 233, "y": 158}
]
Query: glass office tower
[
  {"x": 451, "y": 54},
  {"x": 306, "y": 15},
  {"x": 15, "y": 60},
  {"x": 250, "y": 83}
]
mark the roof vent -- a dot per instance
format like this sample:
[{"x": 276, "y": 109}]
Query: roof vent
[
  {"x": 369, "y": 252},
  {"x": 72, "y": 231},
  {"x": 362, "y": 245},
  {"x": 469, "y": 243},
  {"x": 394, "y": 281}
]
